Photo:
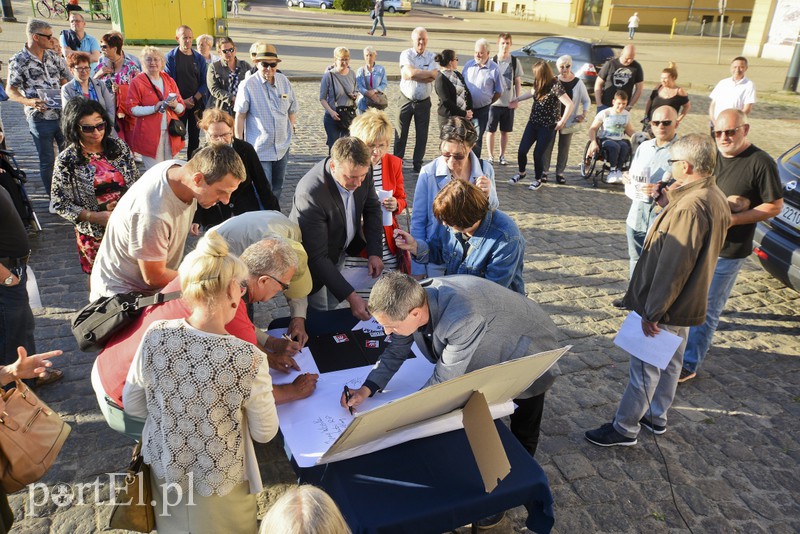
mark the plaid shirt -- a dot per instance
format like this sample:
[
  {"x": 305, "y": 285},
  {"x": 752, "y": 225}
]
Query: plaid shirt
[
  {"x": 268, "y": 107},
  {"x": 27, "y": 73}
]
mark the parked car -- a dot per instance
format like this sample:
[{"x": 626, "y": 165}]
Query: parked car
[
  {"x": 322, "y": 4},
  {"x": 777, "y": 240},
  {"x": 588, "y": 57},
  {"x": 397, "y": 6}
]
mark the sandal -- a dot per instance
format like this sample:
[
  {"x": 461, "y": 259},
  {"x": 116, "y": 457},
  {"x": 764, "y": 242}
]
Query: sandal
[
  {"x": 52, "y": 375},
  {"x": 561, "y": 179}
]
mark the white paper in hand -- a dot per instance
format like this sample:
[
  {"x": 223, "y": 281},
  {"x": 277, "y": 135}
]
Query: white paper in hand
[
  {"x": 657, "y": 351},
  {"x": 383, "y": 195}
]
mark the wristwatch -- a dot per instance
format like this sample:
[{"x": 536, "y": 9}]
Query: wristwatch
[{"x": 8, "y": 281}]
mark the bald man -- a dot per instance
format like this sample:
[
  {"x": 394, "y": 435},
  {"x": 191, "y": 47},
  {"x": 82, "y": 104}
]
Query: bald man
[{"x": 619, "y": 74}]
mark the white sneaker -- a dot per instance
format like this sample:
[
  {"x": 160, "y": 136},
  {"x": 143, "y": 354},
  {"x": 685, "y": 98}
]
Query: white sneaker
[
  {"x": 490, "y": 159},
  {"x": 614, "y": 177},
  {"x": 535, "y": 184},
  {"x": 51, "y": 208}
]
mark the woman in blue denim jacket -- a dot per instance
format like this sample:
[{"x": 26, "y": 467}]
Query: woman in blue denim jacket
[
  {"x": 370, "y": 79},
  {"x": 472, "y": 238},
  {"x": 458, "y": 136}
]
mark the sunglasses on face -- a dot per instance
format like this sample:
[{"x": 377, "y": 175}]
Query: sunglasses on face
[
  {"x": 89, "y": 128},
  {"x": 283, "y": 285},
  {"x": 103, "y": 47},
  {"x": 228, "y": 50},
  {"x": 45, "y": 35},
  {"x": 457, "y": 157},
  {"x": 564, "y": 66},
  {"x": 268, "y": 65},
  {"x": 673, "y": 161},
  {"x": 727, "y": 133},
  {"x": 659, "y": 123}
]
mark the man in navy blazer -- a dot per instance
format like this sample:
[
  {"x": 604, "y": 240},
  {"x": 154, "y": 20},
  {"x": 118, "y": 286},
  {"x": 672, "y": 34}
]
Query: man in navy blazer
[{"x": 329, "y": 204}]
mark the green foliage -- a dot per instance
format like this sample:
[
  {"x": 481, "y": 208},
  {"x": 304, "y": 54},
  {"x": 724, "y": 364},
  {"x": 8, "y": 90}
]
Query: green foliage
[{"x": 353, "y": 5}]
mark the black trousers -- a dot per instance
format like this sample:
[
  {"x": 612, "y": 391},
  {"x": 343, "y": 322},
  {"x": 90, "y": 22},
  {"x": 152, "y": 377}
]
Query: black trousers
[
  {"x": 526, "y": 420},
  {"x": 481, "y": 115},
  {"x": 420, "y": 111},
  {"x": 192, "y": 130}
]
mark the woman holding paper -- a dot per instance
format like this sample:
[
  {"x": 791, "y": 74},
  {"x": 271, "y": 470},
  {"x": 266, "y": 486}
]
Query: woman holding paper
[{"x": 374, "y": 128}]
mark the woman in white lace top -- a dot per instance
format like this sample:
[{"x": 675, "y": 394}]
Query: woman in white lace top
[{"x": 205, "y": 395}]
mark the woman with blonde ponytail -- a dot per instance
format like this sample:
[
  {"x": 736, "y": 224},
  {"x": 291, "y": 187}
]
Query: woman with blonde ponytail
[
  {"x": 205, "y": 395},
  {"x": 669, "y": 94}
]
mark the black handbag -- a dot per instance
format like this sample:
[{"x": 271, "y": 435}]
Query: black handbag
[
  {"x": 94, "y": 325},
  {"x": 175, "y": 126}
]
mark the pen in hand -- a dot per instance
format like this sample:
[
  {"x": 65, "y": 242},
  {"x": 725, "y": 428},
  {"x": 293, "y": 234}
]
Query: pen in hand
[{"x": 347, "y": 398}]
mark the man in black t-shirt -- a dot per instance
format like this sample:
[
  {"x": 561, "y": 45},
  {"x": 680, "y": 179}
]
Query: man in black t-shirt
[
  {"x": 749, "y": 177},
  {"x": 188, "y": 68},
  {"x": 619, "y": 74}
]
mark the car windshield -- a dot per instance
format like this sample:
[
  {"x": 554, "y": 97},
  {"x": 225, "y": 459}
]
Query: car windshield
[{"x": 601, "y": 54}]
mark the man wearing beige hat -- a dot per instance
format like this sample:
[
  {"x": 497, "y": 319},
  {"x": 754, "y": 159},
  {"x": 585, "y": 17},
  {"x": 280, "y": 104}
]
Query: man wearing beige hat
[
  {"x": 243, "y": 230},
  {"x": 266, "y": 110}
]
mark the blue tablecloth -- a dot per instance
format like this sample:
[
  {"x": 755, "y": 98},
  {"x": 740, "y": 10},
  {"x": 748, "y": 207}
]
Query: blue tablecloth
[{"x": 431, "y": 485}]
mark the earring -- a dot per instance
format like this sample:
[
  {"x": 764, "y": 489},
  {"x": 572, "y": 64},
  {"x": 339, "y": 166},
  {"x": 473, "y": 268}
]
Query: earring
[{"x": 234, "y": 305}]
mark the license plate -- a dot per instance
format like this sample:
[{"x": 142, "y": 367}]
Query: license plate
[{"x": 791, "y": 216}]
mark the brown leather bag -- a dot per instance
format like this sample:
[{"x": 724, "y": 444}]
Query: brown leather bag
[
  {"x": 134, "y": 509},
  {"x": 31, "y": 436}
]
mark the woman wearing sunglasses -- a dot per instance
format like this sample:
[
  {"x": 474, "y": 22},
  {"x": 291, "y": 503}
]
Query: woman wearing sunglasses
[
  {"x": 457, "y": 162},
  {"x": 116, "y": 70},
  {"x": 90, "y": 175},
  {"x": 223, "y": 76}
]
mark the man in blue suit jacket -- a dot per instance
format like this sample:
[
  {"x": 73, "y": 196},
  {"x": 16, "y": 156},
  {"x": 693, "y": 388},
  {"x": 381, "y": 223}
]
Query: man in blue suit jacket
[{"x": 329, "y": 203}]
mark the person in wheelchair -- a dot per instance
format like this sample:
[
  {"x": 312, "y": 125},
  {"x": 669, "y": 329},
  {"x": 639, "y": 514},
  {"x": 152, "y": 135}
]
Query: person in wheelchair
[{"x": 616, "y": 124}]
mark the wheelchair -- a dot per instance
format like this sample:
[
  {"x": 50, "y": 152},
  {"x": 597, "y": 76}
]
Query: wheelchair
[{"x": 599, "y": 173}]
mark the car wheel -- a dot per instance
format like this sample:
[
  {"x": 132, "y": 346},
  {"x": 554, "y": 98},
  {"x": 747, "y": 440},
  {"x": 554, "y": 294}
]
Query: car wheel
[
  {"x": 289, "y": 3},
  {"x": 391, "y": 9},
  {"x": 323, "y": 5},
  {"x": 301, "y": 4}
]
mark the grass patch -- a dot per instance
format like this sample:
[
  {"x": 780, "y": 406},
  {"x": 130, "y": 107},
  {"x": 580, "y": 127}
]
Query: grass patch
[{"x": 658, "y": 516}]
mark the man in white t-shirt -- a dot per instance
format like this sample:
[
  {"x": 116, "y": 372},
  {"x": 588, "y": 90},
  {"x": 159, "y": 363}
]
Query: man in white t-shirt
[
  {"x": 502, "y": 111},
  {"x": 146, "y": 233},
  {"x": 737, "y": 92}
]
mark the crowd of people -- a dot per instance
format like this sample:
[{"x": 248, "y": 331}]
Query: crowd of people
[{"x": 453, "y": 282}]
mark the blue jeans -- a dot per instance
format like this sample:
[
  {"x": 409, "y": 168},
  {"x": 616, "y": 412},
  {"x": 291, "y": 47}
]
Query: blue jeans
[
  {"x": 16, "y": 320},
  {"x": 375, "y": 24},
  {"x": 542, "y": 136},
  {"x": 635, "y": 246},
  {"x": 276, "y": 172},
  {"x": 631, "y": 32},
  {"x": 700, "y": 337},
  {"x": 617, "y": 152},
  {"x": 649, "y": 383},
  {"x": 44, "y": 133},
  {"x": 333, "y": 131}
]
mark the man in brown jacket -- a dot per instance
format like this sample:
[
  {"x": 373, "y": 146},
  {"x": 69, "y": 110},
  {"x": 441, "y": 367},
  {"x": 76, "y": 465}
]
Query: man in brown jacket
[{"x": 669, "y": 286}]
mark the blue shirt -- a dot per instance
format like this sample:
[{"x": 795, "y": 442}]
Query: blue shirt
[
  {"x": 363, "y": 83},
  {"x": 496, "y": 251},
  {"x": 88, "y": 44},
  {"x": 641, "y": 215},
  {"x": 482, "y": 82},
  {"x": 432, "y": 178},
  {"x": 267, "y": 126}
]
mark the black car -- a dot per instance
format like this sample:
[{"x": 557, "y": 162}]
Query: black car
[
  {"x": 587, "y": 56},
  {"x": 777, "y": 240}
]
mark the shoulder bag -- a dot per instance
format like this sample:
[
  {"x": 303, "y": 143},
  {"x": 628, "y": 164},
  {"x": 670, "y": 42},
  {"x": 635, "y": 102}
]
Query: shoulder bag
[
  {"x": 134, "y": 509},
  {"x": 346, "y": 113},
  {"x": 175, "y": 126},
  {"x": 31, "y": 436},
  {"x": 96, "y": 322}
]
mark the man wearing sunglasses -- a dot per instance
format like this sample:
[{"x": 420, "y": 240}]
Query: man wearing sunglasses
[
  {"x": 650, "y": 165},
  {"x": 743, "y": 170},
  {"x": 266, "y": 112},
  {"x": 32, "y": 72}
]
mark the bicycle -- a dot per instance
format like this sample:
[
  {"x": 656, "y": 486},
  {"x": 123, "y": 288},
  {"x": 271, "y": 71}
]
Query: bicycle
[{"x": 47, "y": 8}]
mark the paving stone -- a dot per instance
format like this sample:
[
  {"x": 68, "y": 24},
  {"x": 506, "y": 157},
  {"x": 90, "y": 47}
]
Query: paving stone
[{"x": 574, "y": 466}]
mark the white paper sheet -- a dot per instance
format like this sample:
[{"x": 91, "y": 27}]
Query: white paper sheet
[
  {"x": 358, "y": 277},
  {"x": 657, "y": 351},
  {"x": 34, "y": 298},
  {"x": 383, "y": 195}
]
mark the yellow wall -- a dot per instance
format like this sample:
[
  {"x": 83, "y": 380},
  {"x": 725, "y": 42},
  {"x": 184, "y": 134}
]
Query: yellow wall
[
  {"x": 763, "y": 11},
  {"x": 155, "y": 21}
]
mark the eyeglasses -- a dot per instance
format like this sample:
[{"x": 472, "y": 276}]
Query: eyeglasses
[
  {"x": 268, "y": 65},
  {"x": 227, "y": 50},
  {"x": 659, "y": 123},
  {"x": 457, "y": 157},
  {"x": 727, "y": 133},
  {"x": 671, "y": 161},
  {"x": 45, "y": 35},
  {"x": 89, "y": 128},
  {"x": 103, "y": 47},
  {"x": 284, "y": 286},
  {"x": 220, "y": 137},
  {"x": 376, "y": 146},
  {"x": 564, "y": 66},
  {"x": 82, "y": 69}
]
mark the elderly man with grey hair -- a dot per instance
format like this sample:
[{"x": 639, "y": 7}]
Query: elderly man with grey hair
[
  {"x": 461, "y": 323},
  {"x": 670, "y": 284},
  {"x": 35, "y": 77},
  {"x": 485, "y": 84}
]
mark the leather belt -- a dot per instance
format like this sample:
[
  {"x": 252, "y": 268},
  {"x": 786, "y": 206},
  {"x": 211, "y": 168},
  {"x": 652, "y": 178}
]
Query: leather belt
[{"x": 13, "y": 263}]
